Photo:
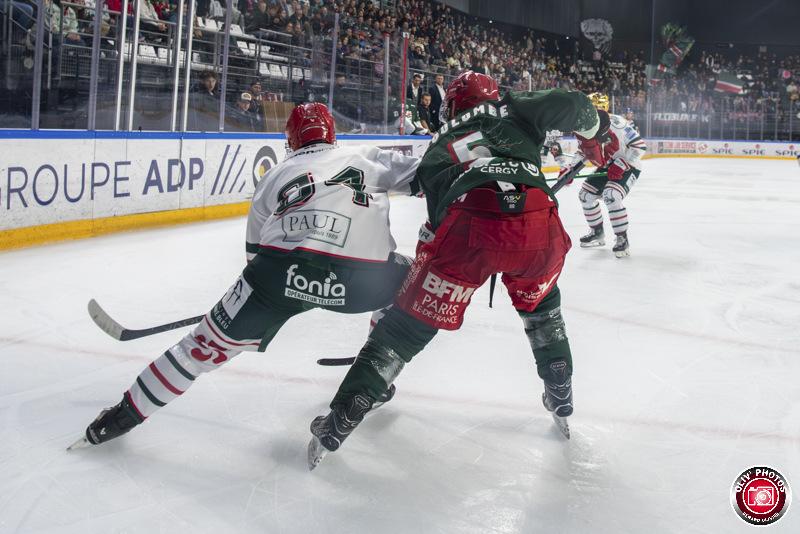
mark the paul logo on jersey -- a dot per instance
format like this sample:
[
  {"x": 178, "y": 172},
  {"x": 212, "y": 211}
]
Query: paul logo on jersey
[
  {"x": 324, "y": 293},
  {"x": 319, "y": 225}
]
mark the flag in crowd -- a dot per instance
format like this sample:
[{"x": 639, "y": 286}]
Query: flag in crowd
[{"x": 728, "y": 82}]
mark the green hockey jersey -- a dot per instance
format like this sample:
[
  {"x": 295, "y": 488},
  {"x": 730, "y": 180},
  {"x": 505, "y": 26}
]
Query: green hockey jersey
[{"x": 493, "y": 133}]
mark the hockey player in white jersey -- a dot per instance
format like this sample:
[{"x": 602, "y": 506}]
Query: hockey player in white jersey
[
  {"x": 616, "y": 150},
  {"x": 317, "y": 237}
]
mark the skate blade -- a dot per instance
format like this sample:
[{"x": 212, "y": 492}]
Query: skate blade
[
  {"x": 622, "y": 253},
  {"x": 316, "y": 452},
  {"x": 562, "y": 424},
  {"x": 80, "y": 444},
  {"x": 593, "y": 244}
]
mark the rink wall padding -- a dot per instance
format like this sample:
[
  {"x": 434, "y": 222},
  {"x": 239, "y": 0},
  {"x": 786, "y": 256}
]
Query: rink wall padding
[{"x": 58, "y": 185}]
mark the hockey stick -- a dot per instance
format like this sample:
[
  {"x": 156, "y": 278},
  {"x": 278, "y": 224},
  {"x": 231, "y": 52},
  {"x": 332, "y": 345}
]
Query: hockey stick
[
  {"x": 333, "y": 362},
  {"x": 568, "y": 177},
  {"x": 583, "y": 176},
  {"x": 120, "y": 333}
]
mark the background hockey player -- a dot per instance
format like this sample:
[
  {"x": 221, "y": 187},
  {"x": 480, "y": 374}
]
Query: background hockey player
[
  {"x": 317, "y": 237},
  {"x": 615, "y": 149},
  {"x": 492, "y": 212}
]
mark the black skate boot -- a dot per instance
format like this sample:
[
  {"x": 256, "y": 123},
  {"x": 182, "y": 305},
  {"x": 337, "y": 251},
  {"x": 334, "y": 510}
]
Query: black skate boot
[
  {"x": 595, "y": 237},
  {"x": 111, "y": 423},
  {"x": 331, "y": 430},
  {"x": 386, "y": 397},
  {"x": 621, "y": 247},
  {"x": 557, "y": 396}
]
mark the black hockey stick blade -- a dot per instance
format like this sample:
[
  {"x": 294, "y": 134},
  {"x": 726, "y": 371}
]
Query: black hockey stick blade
[
  {"x": 569, "y": 176},
  {"x": 333, "y": 362},
  {"x": 120, "y": 333}
]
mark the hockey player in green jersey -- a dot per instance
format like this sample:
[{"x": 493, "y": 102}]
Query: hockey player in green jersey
[{"x": 490, "y": 211}]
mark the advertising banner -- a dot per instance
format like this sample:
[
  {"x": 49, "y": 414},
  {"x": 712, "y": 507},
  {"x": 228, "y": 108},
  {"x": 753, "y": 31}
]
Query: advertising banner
[{"x": 54, "y": 180}]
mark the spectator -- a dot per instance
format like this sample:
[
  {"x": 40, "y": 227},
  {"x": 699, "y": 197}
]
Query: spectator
[
  {"x": 259, "y": 20},
  {"x": 153, "y": 29},
  {"x": 58, "y": 20},
  {"x": 208, "y": 85},
  {"x": 437, "y": 92},
  {"x": 414, "y": 90},
  {"x": 240, "y": 118},
  {"x": 424, "y": 111},
  {"x": 21, "y": 13},
  {"x": 216, "y": 11},
  {"x": 257, "y": 103}
]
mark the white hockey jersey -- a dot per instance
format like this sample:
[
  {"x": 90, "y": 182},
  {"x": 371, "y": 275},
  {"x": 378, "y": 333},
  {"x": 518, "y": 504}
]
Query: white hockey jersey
[
  {"x": 631, "y": 146},
  {"x": 626, "y": 145},
  {"x": 330, "y": 200}
]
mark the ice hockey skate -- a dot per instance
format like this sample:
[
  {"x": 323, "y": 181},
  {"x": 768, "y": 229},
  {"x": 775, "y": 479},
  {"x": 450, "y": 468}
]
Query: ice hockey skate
[
  {"x": 329, "y": 431},
  {"x": 621, "y": 247},
  {"x": 111, "y": 423},
  {"x": 557, "y": 396},
  {"x": 316, "y": 449},
  {"x": 595, "y": 238}
]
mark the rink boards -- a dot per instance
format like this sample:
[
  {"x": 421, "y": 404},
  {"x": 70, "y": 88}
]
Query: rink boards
[{"x": 57, "y": 185}]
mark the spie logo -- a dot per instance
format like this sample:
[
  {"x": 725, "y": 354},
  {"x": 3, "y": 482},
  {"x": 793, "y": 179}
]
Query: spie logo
[
  {"x": 724, "y": 149},
  {"x": 790, "y": 151},
  {"x": 755, "y": 151}
]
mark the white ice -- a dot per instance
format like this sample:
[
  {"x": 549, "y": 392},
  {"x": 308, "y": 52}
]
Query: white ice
[{"x": 687, "y": 371}]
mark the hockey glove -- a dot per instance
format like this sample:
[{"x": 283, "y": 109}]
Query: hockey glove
[
  {"x": 592, "y": 150},
  {"x": 565, "y": 171},
  {"x": 616, "y": 171}
]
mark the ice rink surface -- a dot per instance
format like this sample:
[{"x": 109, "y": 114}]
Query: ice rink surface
[{"x": 687, "y": 371}]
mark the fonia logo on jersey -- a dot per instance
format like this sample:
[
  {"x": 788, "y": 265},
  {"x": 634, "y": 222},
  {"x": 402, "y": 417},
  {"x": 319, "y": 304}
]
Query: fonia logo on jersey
[
  {"x": 724, "y": 149},
  {"x": 760, "y": 496},
  {"x": 790, "y": 151},
  {"x": 324, "y": 293}
]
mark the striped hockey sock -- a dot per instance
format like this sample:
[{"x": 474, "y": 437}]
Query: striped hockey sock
[
  {"x": 161, "y": 382},
  {"x": 619, "y": 220},
  {"x": 593, "y": 215}
]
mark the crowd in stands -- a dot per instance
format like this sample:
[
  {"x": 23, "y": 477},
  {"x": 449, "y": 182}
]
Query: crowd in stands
[{"x": 445, "y": 41}]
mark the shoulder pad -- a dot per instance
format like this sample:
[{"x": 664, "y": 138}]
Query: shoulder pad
[{"x": 617, "y": 121}]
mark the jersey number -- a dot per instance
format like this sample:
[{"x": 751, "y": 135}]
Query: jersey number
[
  {"x": 467, "y": 149},
  {"x": 299, "y": 191},
  {"x": 354, "y": 179},
  {"x": 295, "y": 193}
]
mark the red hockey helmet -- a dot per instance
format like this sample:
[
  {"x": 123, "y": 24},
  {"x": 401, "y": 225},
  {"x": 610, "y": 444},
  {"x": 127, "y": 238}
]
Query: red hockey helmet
[
  {"x": 310, "y": 123},
  {"x": 467, "y": 91}
]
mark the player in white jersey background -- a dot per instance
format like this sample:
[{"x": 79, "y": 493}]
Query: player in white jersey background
[
  {"x": 317, "y": 237},
  {"x": 617, "y": 155}
]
